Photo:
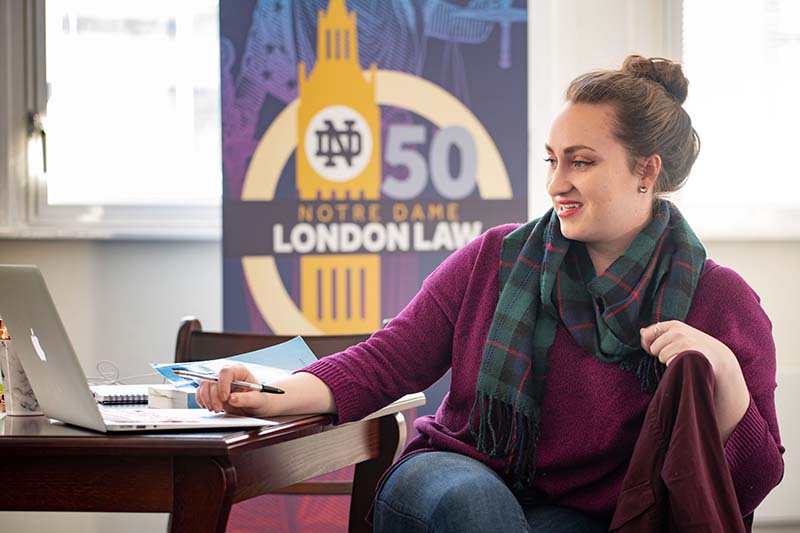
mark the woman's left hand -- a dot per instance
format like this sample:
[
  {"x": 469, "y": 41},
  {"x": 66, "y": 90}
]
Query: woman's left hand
[{"x": 666, "y": 340}]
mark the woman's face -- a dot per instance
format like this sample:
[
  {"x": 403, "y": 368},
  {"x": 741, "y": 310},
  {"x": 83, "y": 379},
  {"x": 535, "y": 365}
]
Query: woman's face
[{"x": 593, "y": 190}]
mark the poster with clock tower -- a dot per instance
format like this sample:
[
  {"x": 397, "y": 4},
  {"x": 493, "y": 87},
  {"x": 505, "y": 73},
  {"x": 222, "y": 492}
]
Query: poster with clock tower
[{"x": 363, "y": 142}]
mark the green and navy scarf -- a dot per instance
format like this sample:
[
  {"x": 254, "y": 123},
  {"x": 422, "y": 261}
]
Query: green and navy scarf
[{"x": 546, "y": 278}]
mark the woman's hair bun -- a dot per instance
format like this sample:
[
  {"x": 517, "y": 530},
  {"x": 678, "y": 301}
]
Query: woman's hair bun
[{"x": 665, "y": 72}]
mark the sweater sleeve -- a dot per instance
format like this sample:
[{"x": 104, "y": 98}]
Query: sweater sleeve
[
  {"x": 733, "y": 315},
  {"x": 409, "y": 354}
]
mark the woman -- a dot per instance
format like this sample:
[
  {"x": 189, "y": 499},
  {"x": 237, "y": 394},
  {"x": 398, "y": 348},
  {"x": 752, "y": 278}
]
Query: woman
[{"x": 558, "y": 333}]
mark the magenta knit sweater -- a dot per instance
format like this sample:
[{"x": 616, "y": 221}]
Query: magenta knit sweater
[{"x": 591, "y": 413}]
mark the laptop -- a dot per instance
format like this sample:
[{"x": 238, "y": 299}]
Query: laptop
[{"x": 54, "y": 371}]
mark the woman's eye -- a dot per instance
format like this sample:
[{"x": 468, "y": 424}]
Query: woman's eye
[
  {"x": 582, "y": 164},
  {"x": 550, "y": 161}
]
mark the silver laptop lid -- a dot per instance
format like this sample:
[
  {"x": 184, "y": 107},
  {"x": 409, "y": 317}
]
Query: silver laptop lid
[{"x": 42, "y": 344}]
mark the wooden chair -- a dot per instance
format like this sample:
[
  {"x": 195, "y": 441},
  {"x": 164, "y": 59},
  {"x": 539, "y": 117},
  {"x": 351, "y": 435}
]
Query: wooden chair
[{"x": 194, "y": 344}]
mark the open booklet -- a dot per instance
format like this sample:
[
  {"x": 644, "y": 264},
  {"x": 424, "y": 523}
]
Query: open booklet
[{"x": 266, "y": 364}]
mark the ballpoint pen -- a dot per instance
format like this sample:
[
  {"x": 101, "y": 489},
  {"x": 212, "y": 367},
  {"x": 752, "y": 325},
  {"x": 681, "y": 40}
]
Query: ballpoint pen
[{"x": 211, "y": 377}]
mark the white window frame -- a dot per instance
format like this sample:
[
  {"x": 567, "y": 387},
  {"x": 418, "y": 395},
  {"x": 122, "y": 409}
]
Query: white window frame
[
  {"x": 718, "y": 223},
  {"x": 24, "y": 212}
]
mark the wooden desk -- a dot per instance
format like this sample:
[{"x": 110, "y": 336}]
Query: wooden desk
[{"x": 194, "y": 475}]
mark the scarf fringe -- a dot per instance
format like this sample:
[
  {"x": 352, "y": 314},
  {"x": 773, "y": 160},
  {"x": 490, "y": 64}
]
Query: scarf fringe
[
  {"x": 648, "y": 369},
  {"x": 500, "y": 431}
]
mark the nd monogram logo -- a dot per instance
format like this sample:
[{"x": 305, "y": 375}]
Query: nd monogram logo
[
  {"x": 338, "y": 143},
  {"x": 345, "y": 139}
]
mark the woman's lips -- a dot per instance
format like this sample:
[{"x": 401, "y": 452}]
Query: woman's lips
[{"x": 568, "y": 209}]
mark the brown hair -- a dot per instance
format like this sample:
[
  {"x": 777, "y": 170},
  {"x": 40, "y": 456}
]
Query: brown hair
[{"x": 647, "y": 94}]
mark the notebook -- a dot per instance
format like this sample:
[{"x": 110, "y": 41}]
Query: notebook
[
  {"x": 53, "y": 369},
  {"x": 120, "y": 394}
]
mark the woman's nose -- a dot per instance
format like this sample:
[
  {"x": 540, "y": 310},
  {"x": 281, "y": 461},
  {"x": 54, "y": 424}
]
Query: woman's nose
[{"x": 557, "y": 182}]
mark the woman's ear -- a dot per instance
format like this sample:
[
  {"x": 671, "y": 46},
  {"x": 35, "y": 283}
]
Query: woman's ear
[{"x": 648, "y": 170}]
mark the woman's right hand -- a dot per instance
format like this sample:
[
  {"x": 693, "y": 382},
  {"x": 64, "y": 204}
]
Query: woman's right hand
[
  {"x": 304, "y": 394},
  {"x": 220, "y": 396}
]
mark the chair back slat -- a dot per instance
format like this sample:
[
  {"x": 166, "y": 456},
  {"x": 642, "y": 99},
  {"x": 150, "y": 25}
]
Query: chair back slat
[{"x": 194, "y": 344}]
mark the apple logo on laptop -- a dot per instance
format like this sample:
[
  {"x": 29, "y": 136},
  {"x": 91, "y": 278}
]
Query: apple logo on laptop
[{"x": 37, "y": 346}]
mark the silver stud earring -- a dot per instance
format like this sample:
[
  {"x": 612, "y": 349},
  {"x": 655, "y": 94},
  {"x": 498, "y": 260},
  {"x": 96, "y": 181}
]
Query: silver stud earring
[{"x": 642, "y": 188}]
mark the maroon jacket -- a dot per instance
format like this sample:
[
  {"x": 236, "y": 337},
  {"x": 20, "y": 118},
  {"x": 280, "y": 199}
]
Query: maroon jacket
[{"x": 678, "y": 479}]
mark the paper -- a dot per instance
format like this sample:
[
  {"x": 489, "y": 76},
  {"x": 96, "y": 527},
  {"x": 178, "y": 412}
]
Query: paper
[
  {"x": 172, "y": 416},
  {"x": 266, "y": 364}
]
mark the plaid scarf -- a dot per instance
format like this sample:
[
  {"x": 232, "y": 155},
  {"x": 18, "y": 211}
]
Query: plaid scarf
[{"x": 544, "y": 278}]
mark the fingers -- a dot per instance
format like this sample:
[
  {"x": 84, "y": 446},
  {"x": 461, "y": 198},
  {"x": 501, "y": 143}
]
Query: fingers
[
  {"x": 667, "y": 340},
  {"x": 215, "y": 396},
  {"x": 201, "y": 395},
  {"x": 216, "y": 399},
  {"x": 659, "y": 337},
  {"x": 664, "y": 340},
  {"x": 249, "y": 400},
  {"x": 650, "y": 334},
  {"x": 666, "y": 346},
  {"x": 207, "y": 396},
  {"x": 224, "y": 384},
  {"x": 198, "y": 396}
]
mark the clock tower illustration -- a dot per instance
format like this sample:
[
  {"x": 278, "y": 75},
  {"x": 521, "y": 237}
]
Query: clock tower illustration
[{"x": 339, "y": 161}]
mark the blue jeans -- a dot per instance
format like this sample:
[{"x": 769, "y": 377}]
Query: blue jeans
[{"x": 448, "y": 492}]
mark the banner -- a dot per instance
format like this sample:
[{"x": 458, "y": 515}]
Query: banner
[{"x": 363, "y": 142}]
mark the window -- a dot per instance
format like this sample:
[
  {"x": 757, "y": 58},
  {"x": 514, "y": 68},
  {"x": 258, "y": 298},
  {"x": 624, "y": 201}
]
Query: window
[
  {"x": 741, "y": 61},
  {"x": 123, "y": 120}
]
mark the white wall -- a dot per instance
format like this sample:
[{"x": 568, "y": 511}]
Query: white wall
[{"x": 123, "y": 301}]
